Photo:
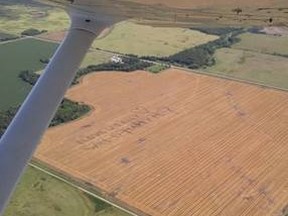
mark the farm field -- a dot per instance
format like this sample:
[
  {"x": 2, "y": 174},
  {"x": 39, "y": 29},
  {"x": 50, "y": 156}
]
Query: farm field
[
  {"x": 131, "y": 38},
  {"x": 263, "y": 43},
  {"x": 95, "y": 57},
  {"x": 197, "y": 12},
  {"x": 177, "y": 143},
  {"x": 56, "y": 37},
  {"x": 251, "y": 66},
  {"x": 17, "y": 18},
  {"x": 41, "y": 194},
  {"x": 4, "y": 35},
  {"x": 17, "y": 56},
  {"x": 211, "y": 3}
]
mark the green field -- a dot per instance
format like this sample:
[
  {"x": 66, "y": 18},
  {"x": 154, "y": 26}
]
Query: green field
[
  {"x": 15, "y": 57},
  {"x": 131, "y": 38},
  {"x": 93, "y": 57},
  {"x": 39, "y": 194},
  {"x": 6, "y": 36},
  {"x": 251, "y": 66},
  {"x": 157, "y": 68},
  {"x": 96, "y": 57},
  {"x": 18, "y": 18},
  {"x": 262, "y": 43}
]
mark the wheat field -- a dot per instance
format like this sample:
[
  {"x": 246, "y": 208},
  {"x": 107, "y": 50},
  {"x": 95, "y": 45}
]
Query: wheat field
[{"x": 177, "y": 143}]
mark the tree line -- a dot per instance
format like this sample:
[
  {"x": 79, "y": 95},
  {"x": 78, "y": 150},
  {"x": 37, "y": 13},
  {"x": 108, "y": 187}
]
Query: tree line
[
  {"x": 32, "y": 32},
  {"x": 200, "y": 56}
]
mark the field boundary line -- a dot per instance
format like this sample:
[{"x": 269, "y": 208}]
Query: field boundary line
[
  {"x": 13, "y": 40},
  {"x": 217, "y": 75},
  {"x": 81, "y": 189}
]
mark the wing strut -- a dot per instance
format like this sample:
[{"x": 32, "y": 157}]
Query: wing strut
[{"x": 19, "y": 142}]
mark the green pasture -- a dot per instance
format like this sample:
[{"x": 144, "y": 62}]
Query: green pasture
[
  {"x": 132, "y": 38},
  {"x": 16, "y": 56},
  {"x": 269, "y": 44},
  {"x": 4, "y": 35},
  {"x": 39, "y": 194},
  {"x": 251, "y": 66},
  {"x": 95, "y": 57},
  {"x": 157, "y": 68}
]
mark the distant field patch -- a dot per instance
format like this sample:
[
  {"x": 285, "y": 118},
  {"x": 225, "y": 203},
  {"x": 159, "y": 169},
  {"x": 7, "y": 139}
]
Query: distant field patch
[
  {"x": 5, "y": 36},
  {"x": 93, "y": 57},
  {"x": 53, "y": 36},
  {"x": 261, "y": 68},
  {"x": 157, "y": 68},
  {"x": 41, "y": 194},
  {"x": 131, "y": 38},
  {"x": 20, "y": 17},
  {"x": 269, "y": 44},
  {"x": 96, "y": 57},
  {"x": 15, "y": 57}
]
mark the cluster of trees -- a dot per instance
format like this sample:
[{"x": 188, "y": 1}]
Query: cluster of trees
[
  {"x": 200, "y": 56},
  {"x": 5, "y": 118},
  {"x": 68, "y": 111},
  {"x": 129, "y": 64},
  {"x": 203, "y": 55},
  {"x": 32, "y": 32},
  {"x": 7, "y": 36},
  {"x": 2, "y": 39},
  {"x": 29, "y": 77},
  {"x": 44, "y": 61}
]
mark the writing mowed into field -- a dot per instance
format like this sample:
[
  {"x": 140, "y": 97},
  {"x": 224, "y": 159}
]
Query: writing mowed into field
[{"x": 177, "y": 143}]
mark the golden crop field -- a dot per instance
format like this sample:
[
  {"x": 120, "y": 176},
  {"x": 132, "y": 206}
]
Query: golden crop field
[{"x": 177, "y": 143}]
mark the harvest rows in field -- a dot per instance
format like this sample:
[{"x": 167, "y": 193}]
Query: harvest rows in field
[{"x": 177, "y": 143}]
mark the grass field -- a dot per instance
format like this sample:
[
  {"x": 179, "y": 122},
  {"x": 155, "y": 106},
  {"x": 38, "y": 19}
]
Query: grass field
[
  {"x": 177, "y": 143},
  {"x": 18, "y": 18},
  {"x": 93, "y": 57},
  {"x": 131, "y": 38},
  {"x": 39, "y": 194},
  {"x": 252, "y": 66},
  {"x": 157, "y": 68},
  {"x": 15, "y": 57},
  {"x": 96, "y": 57},
  {"x": 262, "y": 43},
  {"x": 4, "y": 35}
]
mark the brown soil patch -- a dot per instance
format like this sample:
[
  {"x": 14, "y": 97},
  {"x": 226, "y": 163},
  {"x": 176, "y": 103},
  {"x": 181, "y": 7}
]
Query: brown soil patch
[
  {"x": 276, "y": 30},
  {"x": 177, "y": 143},
  {"x": 53, "y": 36}
]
